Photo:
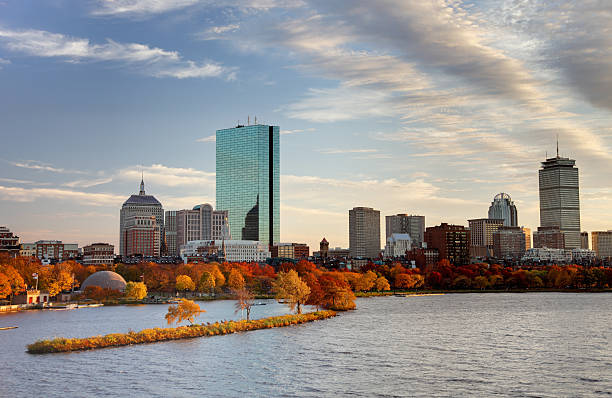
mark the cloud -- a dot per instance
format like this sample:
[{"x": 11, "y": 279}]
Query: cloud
[
  {"x": 151, "y": 61},
  {"x": 222, "y": 29},
  {"x": 87, "y": 183},
  {"x": 168, "y": 176},
  {"x": 36, "y": 165},
  {"x": 340, "y": 151},
  {"x": 210, "y": 138},
  {"x": 18, "y": 194},
  {"x": 141, "y": 8},
  {"x": 295, "y": 131},
  {"x": 4, "y": 62}
]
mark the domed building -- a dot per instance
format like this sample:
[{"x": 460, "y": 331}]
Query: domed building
[
  {"x": 106, "y": 280},
  {"x": 141, "y": 225}
]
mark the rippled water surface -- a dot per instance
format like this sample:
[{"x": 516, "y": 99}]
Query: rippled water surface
[{"x": 477, "y": 345}]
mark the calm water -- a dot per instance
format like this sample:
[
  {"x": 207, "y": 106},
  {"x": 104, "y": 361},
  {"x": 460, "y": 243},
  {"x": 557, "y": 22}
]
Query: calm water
[{"x": 517, "y": 345}]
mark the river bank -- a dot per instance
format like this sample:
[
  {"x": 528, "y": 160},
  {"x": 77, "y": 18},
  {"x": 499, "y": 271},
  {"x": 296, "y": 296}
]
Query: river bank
[{"x": 164, "y": 334}]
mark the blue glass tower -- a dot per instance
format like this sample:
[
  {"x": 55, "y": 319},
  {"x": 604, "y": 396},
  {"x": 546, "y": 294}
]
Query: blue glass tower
[{"x": 248, "y": 181}]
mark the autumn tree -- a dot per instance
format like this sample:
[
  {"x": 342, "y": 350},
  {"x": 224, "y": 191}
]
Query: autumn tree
[
  {"x": 183, "y": 283},
  {"x": 60, "y": 278},
  {"x": 5, "y": 286},
  {"x": 136, "y": 290},
  {"x": 366, "y": 281},
  {"x": 481, "y": 282},
  {"x": 207, "y": 282},
  {"x": 244, "y": 301},
  {"x": 185, "y": 310},
  {"x": 337, "y": 293},
  {"x": 235, "y": 280},
  {"x": 15, "y": 280},
  {"x": 288, "y": 286},
  {"x": 382, "y": 284},
  {"x": 316, "y": 292}
]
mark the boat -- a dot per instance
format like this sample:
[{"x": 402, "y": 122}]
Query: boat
[
  {"x": 71, "y": 306},
  {"x": 8, "y": 327}
]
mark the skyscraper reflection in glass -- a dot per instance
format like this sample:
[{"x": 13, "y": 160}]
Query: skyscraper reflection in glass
[{"x": 248, "y": 180}]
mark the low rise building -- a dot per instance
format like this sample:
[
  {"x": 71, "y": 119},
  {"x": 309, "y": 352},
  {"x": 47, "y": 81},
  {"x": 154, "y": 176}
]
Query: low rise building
[
  {"x": 141, "y": 236},
  {"x": 56, "y": 250},
  {"x": 549, "y": 237},
  {"x": 230, "y": 250},
  {"x": 423, "y": 257},
  {"x": 28, "y": 250},
  {"x": 583, "y": 256},
  {"x": 9, "y": 243},
  {"x": 31, "y": 297},
  {"x": 544, "y": 255},
  {"x": 481, "y": 236},
  {"x": 290, "y": 250},
  {"x": 98, "y": 254}
]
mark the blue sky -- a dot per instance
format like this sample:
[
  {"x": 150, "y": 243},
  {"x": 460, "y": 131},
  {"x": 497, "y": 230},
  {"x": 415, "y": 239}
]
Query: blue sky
[{"x": 424, "y": 107}]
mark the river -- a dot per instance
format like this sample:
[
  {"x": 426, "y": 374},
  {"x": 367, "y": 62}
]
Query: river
[{"x": 456, "y": 345}]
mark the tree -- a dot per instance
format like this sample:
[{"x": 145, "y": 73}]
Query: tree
[
  {"x": 316, "y": 292},
  {"x": 235, "y": 280},
  {"x": 207, "y": 282},
  {"x": 382, "y": 284},
  {"x": 244, "y": 301},
  {"x": 5, "y": 286},
  {"x": 136, "y": 290},
  {"x": 185, "y": 310},
  {"x": 288, "y": 286},
  {"x": 481, "y": 282},
  {"x": 98, "y": 293},
  {"x": 15, "y": 281},
  {"x": 366, "y": 281},
  {"x": 184, "y": 282},
  {"x": 337, "y": 292},
  {"x": 60, "y": 278}
]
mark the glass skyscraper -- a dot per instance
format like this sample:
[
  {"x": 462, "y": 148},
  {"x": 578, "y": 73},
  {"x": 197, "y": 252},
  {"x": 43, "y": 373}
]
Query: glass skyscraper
[
  {"x": 248, "y": 181},
  {"x": 503, "y": 208}
]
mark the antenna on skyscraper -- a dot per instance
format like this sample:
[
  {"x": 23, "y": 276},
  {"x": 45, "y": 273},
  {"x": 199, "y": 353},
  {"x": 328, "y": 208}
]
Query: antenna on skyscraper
[
  {"x": 255, "y": 119},
  {"x": 557, "y": 145},
  {"x": 248, "y": 120}
]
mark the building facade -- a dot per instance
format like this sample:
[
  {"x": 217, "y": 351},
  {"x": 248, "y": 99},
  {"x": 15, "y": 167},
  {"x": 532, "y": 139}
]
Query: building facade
[
  {"x": 550, "y": 237},
  {"x": 560, "y": 199},
  {"x": 170, "y": 233},
  {"x": 295, "y": 251},
  {"x": 141, "y": 205},
  {"x": 234, "y": 250},
  {"x": 602, "y": 243},
  {"x": 398, "y": 245},
  {"x": 544, "y": 255},
  {"x": 406, "y": 224},
  {"x": 584, "y": 240},
  {"x": 509, "y": 243},
  {"x": 452, "y": 242},
  {"x": 141, "y": 236},
  {"x": 481, "y": 236},
  {"x": 248, "y": 181},
  {"x": 503, "y": 208},
  {"x": 527, "y": 232},
  {"x": 56, "y": 250},
  {"x": 9, "y": 243},
  {"x": 98, "y": 254},
  {"x": 364, "y": 232}
]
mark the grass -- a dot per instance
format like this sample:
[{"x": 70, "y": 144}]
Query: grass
[{"x": 165, "y": 334}]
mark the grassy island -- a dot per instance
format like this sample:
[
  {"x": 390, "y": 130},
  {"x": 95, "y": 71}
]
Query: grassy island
[{"x": 164, "y": 334}]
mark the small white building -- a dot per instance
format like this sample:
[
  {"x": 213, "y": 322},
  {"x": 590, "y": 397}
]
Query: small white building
[
  {"x": 397, "y": 245},
  {"x": 580, "y": 255},
  {"x": 235, "y": 250},
  {"x": 546, "y": 255}
]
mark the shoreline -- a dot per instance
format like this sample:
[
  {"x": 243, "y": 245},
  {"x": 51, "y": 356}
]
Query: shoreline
[
  {"x": 155, "y": 335},
  {"x": 466, "y": 291}
]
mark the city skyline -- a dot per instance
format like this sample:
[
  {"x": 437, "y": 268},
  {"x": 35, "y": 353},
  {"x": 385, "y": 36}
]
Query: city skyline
[{"x": 403, "y": 128}]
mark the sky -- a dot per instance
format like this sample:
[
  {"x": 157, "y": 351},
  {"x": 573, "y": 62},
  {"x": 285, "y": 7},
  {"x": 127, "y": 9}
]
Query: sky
[{"x": 426, "y": 107}]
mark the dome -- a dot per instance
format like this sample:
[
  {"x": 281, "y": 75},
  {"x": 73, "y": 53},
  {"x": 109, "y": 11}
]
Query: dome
[{"x": 105, "y": 279}]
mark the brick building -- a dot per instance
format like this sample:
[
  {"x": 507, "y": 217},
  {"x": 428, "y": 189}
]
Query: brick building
[{"x": 452, "y": 242}]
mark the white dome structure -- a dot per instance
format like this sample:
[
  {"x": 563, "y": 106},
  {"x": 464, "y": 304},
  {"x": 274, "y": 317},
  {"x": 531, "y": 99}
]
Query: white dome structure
[{"x": 106, "y": 280}]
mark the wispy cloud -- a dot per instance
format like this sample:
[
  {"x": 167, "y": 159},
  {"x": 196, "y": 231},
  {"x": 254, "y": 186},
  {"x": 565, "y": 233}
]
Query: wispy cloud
[
  {"x": 296, "y": 131},
  {"x": 87, "y": 183},
  {"x": 168, "y": 176},
  {"x": 152, "y": 61},
  {"x": 19, "y": 194},
  {"x": 36, "y": 165},
  {"x": 4, "y": 62},
  {"x": 210, "y": 138},
  {"x": 340, "y": 151}
]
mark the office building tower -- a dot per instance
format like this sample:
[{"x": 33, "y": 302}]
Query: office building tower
[
  {"x": 509, "y": 243},
  {"x": 398, "y": 245},
  {"x": 406, "y": 224},
  {"x": 602, "y": 243},
  {"x": 584, "y": 240},
  {"x": 527, "y": 232},
  {"x": 364, "y": 232},
  {"x": 188, "y": 226},
  {"x": 452, "y": 242},
  {"x": 481, "y": 236},
  {"x": 141, "y": 236},
  {"x": 170, "y": 233},
  {"x": 559, "y": 198},
  {"x": 140, "y": 205},
  {"x": 503, "y": 208},
  {"x": 549, "y": 237},
  {"x": 248, "y": 181}
]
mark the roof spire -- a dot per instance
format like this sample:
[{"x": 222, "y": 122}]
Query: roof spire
[
  {"x": 142, "y": 190},
  {"x": 557, "y": 146}
]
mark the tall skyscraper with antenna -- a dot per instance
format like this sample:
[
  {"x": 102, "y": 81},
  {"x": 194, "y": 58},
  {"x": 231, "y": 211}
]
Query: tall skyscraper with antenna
[{"x": 560, "y": 198}]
